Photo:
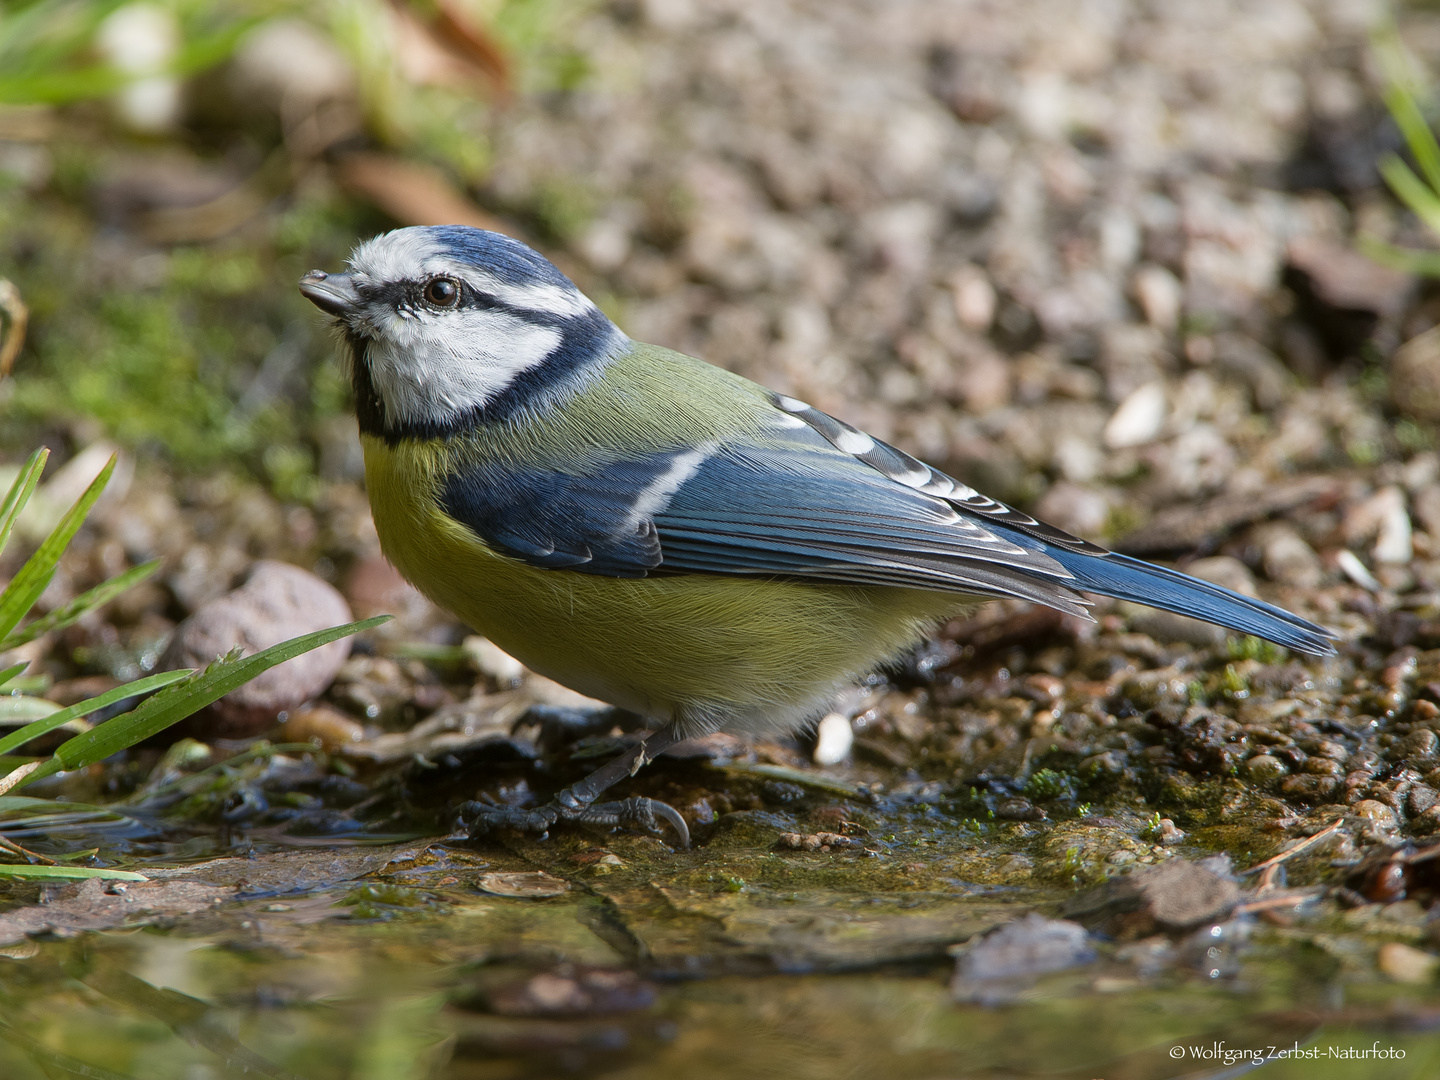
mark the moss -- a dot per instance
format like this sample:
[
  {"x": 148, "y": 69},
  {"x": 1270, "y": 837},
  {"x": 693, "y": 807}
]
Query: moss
[
  {"x": 1048, "y": 784},
  {"x": 204, "y": 356},
  {"x": 1250, "y": 647}
]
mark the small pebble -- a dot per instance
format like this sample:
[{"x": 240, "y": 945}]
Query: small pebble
[
  {"x": 1160, "y": 295},
  {"x": 1287, "y": 558},
  {"x": 1406, "y": 964},
  {"x": 1428, "y": 822},
  {"x": 278, "y": 601},
  {"x": 1168, "y": 833},
  {"x": 974, "y": 298},
  {"x": 833, "y": 739},
  {"x": 489, "y": 659},
  {"x": 1421, "y": 798},
  {"x": 572, "y": 990},
  {"x": 999, "y": 965},
  {"x": 1420, "y": 743},
  {"x": 1351, "y": 566},
  {"x": 820, "y": 841},
  {"x": 328, "y": 726},
  {"x": 1414, "y": 376},
  {"x": 1139, "y": 419},
  {"x": 1378, "y": 812},
  {"x": 1263, "y": 767},
  {"x": 1019, "y": 810}
]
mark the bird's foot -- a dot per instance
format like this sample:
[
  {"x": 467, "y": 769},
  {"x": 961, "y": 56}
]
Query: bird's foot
[
  {"x": 478, "y": 818},
  {"x": 635, "y": 813}
]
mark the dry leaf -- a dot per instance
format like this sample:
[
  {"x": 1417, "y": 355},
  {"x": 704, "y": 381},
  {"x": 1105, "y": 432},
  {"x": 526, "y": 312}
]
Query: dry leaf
[{"x": 526, "y": 883}]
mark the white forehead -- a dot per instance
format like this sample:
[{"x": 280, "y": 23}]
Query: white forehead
[{"x": 417, "y": 254}]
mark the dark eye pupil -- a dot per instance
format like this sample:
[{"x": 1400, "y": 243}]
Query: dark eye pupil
[{"x": 442, "y": 292}]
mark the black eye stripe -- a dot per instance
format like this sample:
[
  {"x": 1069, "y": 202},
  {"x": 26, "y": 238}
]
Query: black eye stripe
[{"x": 410, "y": 295}]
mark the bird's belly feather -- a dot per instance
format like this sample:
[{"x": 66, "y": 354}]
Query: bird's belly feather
[{"x": 714, "y": 651}]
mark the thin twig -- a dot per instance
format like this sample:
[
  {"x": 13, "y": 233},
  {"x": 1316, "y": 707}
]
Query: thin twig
[
  {"x": 1293, "y": 898},
  {"x": 1290, "y": 853},
  {"x": 34, "y": 856},
  {"x": 19, "y": 317},
  {"x": 10, "y": 779}
]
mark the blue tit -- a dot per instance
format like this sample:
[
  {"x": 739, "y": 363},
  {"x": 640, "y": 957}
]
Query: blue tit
[{"x": 657, "y": 532}]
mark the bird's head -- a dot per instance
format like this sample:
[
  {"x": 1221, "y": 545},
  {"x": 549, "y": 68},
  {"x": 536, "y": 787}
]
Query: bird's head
[{"x": 449, "y": 325}]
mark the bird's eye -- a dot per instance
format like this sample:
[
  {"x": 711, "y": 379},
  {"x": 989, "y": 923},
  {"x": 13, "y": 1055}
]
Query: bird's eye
[{"x": 442, "y": 292}]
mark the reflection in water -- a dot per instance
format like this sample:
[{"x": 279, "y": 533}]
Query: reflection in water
[{"x": 445, "y": 982}]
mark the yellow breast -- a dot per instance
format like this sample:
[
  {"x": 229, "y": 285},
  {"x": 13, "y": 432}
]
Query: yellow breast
[{"x": 736, "y": 652}]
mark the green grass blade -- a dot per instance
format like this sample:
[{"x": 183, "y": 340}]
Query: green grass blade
[
  {"x": 10, "y": 672},
  {"x": 23, "y": 708},
  {"x": 201, "y": 53},
  {"x": 174, "y": 704},
  {"x": 27, "y": 585},
  {"x": 20, "y": 492},
  {"x": 1411, "y": 190},
  {"x": 82, "y": 605},
  {"x": 9, "y": 803},
  {"x": 20, "y": 596},
  {"x": 49, "y": 723},
  {"x": 1418, "y": 136},
  {"x": 62, "y": 87},
  {"x": 67, "y": 873},
  {"x": 1422, "y": 263}
]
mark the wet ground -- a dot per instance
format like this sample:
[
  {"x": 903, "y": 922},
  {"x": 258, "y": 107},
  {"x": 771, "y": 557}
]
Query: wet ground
[{"x": 314, "y": 914}]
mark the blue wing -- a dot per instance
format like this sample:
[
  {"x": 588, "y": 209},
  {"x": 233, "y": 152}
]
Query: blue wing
[
  {"x": 563, "y": 521},
  {"x": 817, "y": 499}
]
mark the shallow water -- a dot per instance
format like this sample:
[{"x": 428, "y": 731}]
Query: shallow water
[{"x": 629, "y": 960}]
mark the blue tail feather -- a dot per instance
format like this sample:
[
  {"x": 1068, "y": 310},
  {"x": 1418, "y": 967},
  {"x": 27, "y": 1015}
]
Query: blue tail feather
[{"x": 1125, "y": 578}]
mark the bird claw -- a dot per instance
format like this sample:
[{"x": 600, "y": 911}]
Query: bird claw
[
  {"x": 479, "y": 818},
  {"x": 635, "y": 813}
]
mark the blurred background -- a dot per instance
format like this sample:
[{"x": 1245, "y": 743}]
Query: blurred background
[{"x": 1097, "y": 258}]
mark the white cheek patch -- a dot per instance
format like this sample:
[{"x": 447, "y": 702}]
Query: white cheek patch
[{"x": 428, "y": 368}]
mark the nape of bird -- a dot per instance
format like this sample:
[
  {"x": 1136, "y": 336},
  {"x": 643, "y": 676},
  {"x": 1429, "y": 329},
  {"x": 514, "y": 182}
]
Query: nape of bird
[{"x": 659, "y": 533}]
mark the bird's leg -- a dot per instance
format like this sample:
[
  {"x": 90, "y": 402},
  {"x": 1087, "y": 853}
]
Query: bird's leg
[{"x": 577, "y": 802}]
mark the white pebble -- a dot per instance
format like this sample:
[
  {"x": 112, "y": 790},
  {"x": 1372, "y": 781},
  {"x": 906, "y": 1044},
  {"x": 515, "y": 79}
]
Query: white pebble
[
  {"x": 833, "y": 739},
  {"x": 1392, "y": 545},
  {"x": 289, "y": 64},
  {"x": 974, "y": 298},
  {"x": 1351, "y": 566},
  {"x": 140, "y": 39},
  {"x": 1159, "y": 294},
  {"x": 492, "y": 660},
  {"x": 1140, "y": 417},
  {"x": 1406, "y": 964}
]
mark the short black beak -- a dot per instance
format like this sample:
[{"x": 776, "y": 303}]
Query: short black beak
[{"x": 333, "y": 294}]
